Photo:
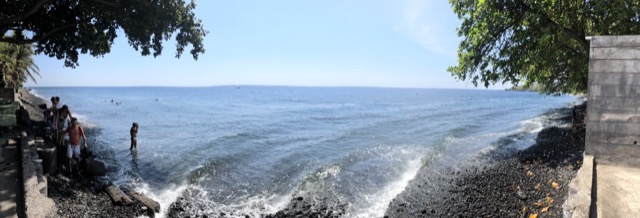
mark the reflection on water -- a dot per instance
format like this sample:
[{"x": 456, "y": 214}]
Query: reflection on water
[{"x": 134, "y": 160}]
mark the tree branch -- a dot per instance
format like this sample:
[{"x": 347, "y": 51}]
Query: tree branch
[
  {"x": 566, "y": 30},
  {"x": 24, "y": 15},
  {"x": 36, "y": 38}
]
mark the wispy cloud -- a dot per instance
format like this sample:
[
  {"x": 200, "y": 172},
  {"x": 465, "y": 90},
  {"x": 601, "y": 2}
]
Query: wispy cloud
[{"x": 432, "y": 24}]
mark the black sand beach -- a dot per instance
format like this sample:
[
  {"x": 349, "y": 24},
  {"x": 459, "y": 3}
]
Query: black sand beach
[
  {"x": 509, "y": 184},
  {"x": 504, "y": 183}
]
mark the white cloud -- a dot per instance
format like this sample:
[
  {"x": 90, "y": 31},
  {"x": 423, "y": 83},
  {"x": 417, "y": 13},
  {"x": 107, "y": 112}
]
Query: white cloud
[{"x": 432, "y": 24}]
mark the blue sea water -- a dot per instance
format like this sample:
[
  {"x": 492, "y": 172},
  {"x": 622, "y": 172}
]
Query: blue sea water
[{"x": 249, "y": 150}]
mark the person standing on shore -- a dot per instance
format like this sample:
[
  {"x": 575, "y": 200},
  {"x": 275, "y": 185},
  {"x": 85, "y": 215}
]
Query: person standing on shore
[
  {"x": 73, "y": 149},
  {"x": 134, "y": 136},
  {"x": 60, "y": 119},
  {"x": 49, "y": 113}
]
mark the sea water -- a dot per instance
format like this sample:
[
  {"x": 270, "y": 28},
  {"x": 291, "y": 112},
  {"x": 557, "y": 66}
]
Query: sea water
[{"x": 248, "y": 150}]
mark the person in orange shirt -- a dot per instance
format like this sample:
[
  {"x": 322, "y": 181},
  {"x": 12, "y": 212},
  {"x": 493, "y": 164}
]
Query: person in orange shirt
[{"x": 73, "y": 148}]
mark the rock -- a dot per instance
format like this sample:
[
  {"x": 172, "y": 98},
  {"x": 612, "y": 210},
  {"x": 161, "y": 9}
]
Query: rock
[
  {"x": 118, "y": 196},
  {"x": 94, "y": 167},
  {"x": 521, "y": 195},
  {"x": 152, "y": 204}
]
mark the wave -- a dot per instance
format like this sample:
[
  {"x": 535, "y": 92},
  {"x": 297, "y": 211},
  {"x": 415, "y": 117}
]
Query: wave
[
  {"x": 165, "y": 197},
  {"x": 240, "y": 157},
  {"x": 379, "y": 201}
]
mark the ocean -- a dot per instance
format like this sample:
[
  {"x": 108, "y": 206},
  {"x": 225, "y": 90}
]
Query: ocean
[{"x": 248, "y": 150}]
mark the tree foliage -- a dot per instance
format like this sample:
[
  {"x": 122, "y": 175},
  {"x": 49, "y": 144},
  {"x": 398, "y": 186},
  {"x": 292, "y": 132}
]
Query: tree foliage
[
  {"x": 536, "y": 41},
  {"x": 16, "y": 65},
  {"x": 65, "y": 28}
]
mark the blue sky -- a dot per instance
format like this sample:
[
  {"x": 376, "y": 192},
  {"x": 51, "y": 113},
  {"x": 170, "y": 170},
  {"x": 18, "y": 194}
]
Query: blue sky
[{"x": 406, "y": 43}]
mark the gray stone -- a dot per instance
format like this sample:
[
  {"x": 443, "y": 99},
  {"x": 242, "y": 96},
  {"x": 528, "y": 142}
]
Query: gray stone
[
  {"x": 94, "y": 167},
  {"x": 579, "y": 194},
  {"x": 521, "y": 195},
  {"x": 37, "y": 204}
]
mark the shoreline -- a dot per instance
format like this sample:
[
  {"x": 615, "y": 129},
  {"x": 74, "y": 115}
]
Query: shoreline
[
  {"x": 77, "y": 196},
  {"x": 510, "y": 184},
  {"x": 469, "y": 191}
]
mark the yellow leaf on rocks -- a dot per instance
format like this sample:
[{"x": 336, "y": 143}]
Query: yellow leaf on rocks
[
  {"x": 524, "y": 209},
  {"x": 554, "y": 185},
  {"x": 529, "y": 173},
  {"x": 533, "y": 215},
  {"x": 544, "y": 210},
  {"x": 538, "y": 204},
  {"x": 549, "y": 200},
  {"x": 538, "y": 186}
]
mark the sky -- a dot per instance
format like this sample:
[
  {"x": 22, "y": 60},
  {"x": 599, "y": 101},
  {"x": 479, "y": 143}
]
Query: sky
[{"x": 368, "y": 43}]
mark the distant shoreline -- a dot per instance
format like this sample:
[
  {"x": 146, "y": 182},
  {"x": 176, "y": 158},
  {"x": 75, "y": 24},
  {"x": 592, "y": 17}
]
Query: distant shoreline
[{"x": 274, "y": 86}]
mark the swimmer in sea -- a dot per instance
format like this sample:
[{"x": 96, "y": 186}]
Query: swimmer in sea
[{"x": 134, "y": 134}]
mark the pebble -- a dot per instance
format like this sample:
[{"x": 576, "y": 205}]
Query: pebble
[{"x": 521, "y": 195}]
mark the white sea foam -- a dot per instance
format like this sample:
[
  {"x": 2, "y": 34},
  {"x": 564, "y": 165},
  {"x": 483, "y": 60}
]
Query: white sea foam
[
  {"x": 255, "y": 206},
  {"x": 533, "y": 125},
  {"x": 35, "y": 93},
  {"x": 331, "y": 171},
  {"x": 85, "y": 121},
  {"x": 379, "y": 201},
  {"x": 165, "y": 197},
  {"x": 369, "y": 119}
]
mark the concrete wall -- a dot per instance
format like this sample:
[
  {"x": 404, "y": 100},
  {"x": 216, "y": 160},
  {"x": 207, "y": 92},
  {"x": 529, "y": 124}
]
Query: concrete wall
[{"x": 613, "y": 116}]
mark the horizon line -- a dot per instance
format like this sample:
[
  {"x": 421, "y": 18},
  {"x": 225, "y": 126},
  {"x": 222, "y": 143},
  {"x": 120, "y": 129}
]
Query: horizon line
[{"x": 254, "y": 85}]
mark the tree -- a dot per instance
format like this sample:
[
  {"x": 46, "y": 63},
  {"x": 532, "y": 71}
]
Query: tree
[
  {"x": 65, "y": 28},
  {"x": 536, "y": 41},
  {"x": 16, "y": 65}
]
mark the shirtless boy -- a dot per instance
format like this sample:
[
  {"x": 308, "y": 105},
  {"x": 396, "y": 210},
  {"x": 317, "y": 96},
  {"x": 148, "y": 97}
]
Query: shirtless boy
[
  {"x": 73, "y": 149},
  {"x": 134, "y": 134}
]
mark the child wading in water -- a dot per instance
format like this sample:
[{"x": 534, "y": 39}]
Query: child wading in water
[{"x": 134, "y": 133}]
